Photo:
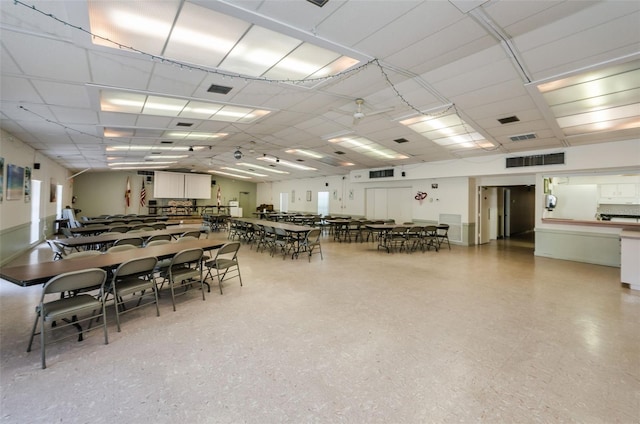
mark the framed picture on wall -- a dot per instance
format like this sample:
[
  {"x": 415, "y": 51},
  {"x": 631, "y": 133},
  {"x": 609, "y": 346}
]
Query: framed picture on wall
[
  {"x": 27, "y": 185},
  {"x": 1, "y": 179},
  {"x": 308, "y": 195},
  {"x": 53, "y": 190},
  {"x": 15, "y": 182},
  {"x": 293, "y": 196}
]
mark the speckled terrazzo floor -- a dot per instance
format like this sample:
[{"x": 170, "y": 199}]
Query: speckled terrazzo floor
[{"x": 484, "y": 334}]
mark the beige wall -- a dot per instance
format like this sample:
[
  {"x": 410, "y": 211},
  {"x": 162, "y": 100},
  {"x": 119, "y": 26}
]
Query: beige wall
[
  {"x": 99, "y": 193},
  {"x": 15, "y": 215}
]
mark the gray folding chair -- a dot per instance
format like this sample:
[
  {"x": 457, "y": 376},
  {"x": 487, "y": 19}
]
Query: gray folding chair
[
  {"x": 184, "y": 270},
  {"x": 134, "y": 278},
  {"x": 225, "y": 263},
  {"x": 311, "y": 241},
  {"x": 72, "y": 307}
]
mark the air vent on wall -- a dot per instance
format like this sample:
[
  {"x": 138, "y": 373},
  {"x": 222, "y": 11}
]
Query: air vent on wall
[
  {"x": 522, "y": 137},
  {"x": 219, "y": 89},
  {"x": 536, "y": 160},
  {"x": 382, "y": 173},
  {"x": 508, "y": 119}
]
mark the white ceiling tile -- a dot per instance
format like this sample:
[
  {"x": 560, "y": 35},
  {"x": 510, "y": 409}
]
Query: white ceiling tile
[{"x": 433, "y": 53}]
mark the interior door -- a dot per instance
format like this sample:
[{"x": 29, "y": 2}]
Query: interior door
[
  {"x": 484, "y": 215},
  {"x": 243, "y": 201}
]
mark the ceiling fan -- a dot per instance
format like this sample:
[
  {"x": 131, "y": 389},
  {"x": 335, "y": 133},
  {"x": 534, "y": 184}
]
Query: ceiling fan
[{"x": 360, "y": 113}]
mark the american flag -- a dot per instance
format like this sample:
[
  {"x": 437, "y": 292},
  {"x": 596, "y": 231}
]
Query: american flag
[
  {"x": 143, "y": 195},
  {"x": 219, "y": 197}
]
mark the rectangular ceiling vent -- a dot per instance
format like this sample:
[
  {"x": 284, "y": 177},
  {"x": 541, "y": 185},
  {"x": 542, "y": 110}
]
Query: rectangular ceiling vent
[
  {"x": 219, "y": 89},
  {"x": 166, "y": 142},
  {"x": 148, "y": 173},
  {"x": 318, "y": 3},
  {"x": 339, "y": 152},
  {"x": 522, "y": 137},
  {"x": 184, "y": 124},
  {"x": 536, "y": 160},
  {"x": 401, "y": 140},
  {"x": 508, "y": 119},
  {"x": 382, "y": 173}
]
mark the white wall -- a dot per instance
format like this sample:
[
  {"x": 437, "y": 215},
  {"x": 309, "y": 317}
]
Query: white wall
[{"x": 15, "y": 215}]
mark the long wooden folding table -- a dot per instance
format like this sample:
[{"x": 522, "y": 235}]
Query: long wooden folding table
[{"x": 38, "y": 273}]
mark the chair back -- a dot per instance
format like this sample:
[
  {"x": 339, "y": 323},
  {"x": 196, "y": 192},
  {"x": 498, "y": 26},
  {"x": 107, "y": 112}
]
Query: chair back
[
  {"x": 187, "y": 256},
  {"x": 166, "y": 237},
  {"x": 135, "y": 267},
  {"x": 431, "y": 230},
  {"x": 82, "y": 254},
  {"x": 185, "y": 239},
  {"x": 228, "y": 248},
  {"x": 313, "y": 235},
  {"x": 119, "y": 229},
  {"x": 156, "y": 243},
  {"x": 75, "y": 281},
  {"x": 194, "y": 234},
  {"x": 135, "y": 241},
  {"x": 121, "y": 248},
  {"x": 159, "y": 226}
]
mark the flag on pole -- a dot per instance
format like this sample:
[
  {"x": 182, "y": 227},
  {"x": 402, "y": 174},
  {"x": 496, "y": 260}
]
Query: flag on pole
[
  {"x": 127, "y": 193},
  {"x": 219, "y": 197},
  {"x": 143, "y": 194}
]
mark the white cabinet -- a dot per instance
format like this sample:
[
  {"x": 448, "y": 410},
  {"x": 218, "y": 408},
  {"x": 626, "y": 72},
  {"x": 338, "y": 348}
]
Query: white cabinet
[
  {"x": 630, "y": 259},
  {"x": 625, "y": 193}
]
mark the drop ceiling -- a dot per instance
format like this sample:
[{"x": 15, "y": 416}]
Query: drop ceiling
[{"x": 99, "y": 85}]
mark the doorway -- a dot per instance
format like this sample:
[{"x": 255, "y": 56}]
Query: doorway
[
  {"x": 243, "y": 202},
  {"x": 323, "y": 203},
  {"x": 505, "y": 212},
  {"x": 284, "y": 202},
  {"x": 34, "y": 234}
]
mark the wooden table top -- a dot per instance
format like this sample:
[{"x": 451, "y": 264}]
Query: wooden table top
[
  {"x": 32, "y": 274},
  {"x": 89, "y": 228},
  {"x": 282, "y": 225},
  {"x": 108, "y": 237}
]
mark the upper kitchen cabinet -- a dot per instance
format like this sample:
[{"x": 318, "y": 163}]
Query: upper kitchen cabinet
[{"x": 620, "y": 194}]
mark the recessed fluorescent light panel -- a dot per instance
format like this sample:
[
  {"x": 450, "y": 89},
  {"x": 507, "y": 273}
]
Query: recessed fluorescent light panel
[
  {"x": 261, "y": 168},
  {"x": 147, "y": 163},
  {"x": 242, "y": 171},
  {"x": 137, "y": 167},
  {"x": 367, "y": 147},
  {"x": 286, "y": 163},
  {"x": 598, "y": 101},
  {"x": 449, "y": 131},
  {"x": 136, "y": 103},
  {"x": 328, "y": 160},
  {"x": 193, "y": 34},
  {"x": 229, "y": 174},
  {"x": 150, "y": 148}
]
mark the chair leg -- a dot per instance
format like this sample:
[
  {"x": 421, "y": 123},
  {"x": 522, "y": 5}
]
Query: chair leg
[
  {"x": 42, "y": 342},
  {"x": 33, "y": 332},
  {"x": 219, "y": 279}
]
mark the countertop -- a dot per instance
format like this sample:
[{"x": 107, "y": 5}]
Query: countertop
[
  {"x": 630, "y": 234},
  {"x": 592, "y": 223}
]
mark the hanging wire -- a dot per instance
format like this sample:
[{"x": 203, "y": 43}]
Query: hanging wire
[{"x": 246, "y": 78}]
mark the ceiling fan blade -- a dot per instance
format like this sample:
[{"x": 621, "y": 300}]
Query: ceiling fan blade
[{"x": 377, "y": 112}]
